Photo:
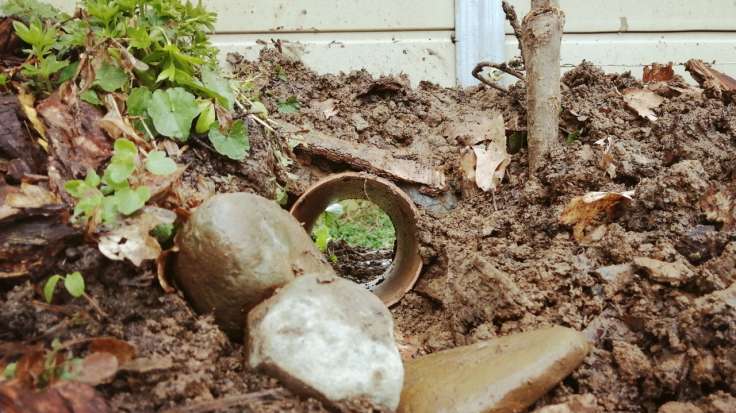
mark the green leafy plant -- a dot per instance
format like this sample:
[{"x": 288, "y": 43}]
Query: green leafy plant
[
  {"x": 357, "y": 222},
  {"x": 235, "y": 144},
  {"x": 104, "y": 199},
  {"x": 73, "y": 283},
  {"x": 290, "y": 105},
  {"x": 573, "y": 136}
]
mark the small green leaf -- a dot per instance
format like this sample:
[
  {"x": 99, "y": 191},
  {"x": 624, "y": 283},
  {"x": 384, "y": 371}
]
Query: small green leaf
[
  {"x": 290, "y": 105},
  {"x": 74, "y": 284},
  {"x": 282, "y": 197},
  {"x": 9, "y": 371},
  {"x": 322, "y": 237},
  {"x": 139, "y": 37},
  {"x": 572, "y": 137},
  {"x": 90, "y": 97},
  {"x": 131, "y": 200},
  {"x": 172, "y": 112},
  {"x": 125, "y": 148},
  {"x": 138, "y": 101},
  {"x": 221, "y": 86},
  {"x": 258, "y": 108},
  {"x": 3, "y": 79},
  {"x": 68, "y": 72},
  {"x": 110, "y": 77},
  {"x": 206, "y": 118},
  {"x": 109, "y": 209},
  {"x": 158, "y": 163},
  {"x": 163, "y": 232},
  {"x": 50, "y": 286},
  {"x": 235, "y": 144},
  {"x": 92, "y": 179}
]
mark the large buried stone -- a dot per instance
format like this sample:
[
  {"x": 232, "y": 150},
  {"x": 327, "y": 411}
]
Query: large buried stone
[
  {"x": 236, "y": 250},
  {"x": 329, "y": 338},
  {"x": 503, "y": 375}
]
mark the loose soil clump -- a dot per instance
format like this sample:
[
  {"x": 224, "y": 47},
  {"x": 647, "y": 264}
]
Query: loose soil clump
[{"x": 495, "y": 264}]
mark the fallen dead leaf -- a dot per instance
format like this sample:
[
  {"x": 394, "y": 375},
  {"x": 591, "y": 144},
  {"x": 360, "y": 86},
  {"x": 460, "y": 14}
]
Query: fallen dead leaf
[
  {"x": 132, "y": 240},
  {"x": 113, "y": 122},
  {"x": 658, "y": 73},
  {"x": 490, "y": 168},
  {"x": 122, "y": 350},
  {"x": 327, "y": 108},
  {"x": 27, "y": 104},
  {"x": 62, "y": 397},
  {"x": 467, "y": 168},
  {"x": 161, "y": 265},
  {"x": 96, "y": 368},
  {"x": 582, "y": 211},
  {"x": 643, "y": 101}
]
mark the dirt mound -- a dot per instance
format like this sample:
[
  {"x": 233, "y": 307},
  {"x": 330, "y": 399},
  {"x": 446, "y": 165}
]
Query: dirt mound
[{"x": 494, "y": 263}]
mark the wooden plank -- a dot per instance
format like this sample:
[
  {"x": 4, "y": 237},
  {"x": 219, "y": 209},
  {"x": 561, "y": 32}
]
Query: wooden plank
[
  {"x": 595, "y": 16},
  {"x": 421, "y": 55},
  {"x": 262, "y": 16}
]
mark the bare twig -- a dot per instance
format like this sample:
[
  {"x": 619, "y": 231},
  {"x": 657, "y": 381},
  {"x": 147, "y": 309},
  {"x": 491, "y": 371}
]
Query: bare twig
[
  {"x": 226, "y": 402},
  {"x": 498, "y": 66},
  {"x": 513, "y": 19}
]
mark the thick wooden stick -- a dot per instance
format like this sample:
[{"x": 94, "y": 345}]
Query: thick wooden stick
[{"x": 541, "y": 37}]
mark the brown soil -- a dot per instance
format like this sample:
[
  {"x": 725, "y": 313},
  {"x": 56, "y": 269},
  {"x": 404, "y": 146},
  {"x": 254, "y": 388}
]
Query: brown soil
[
  {"x": 359, "y": 264},
  {"x": 654, "y": 342}
]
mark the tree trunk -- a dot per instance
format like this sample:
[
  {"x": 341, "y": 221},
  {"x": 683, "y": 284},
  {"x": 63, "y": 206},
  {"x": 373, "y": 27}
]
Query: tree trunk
[{"x": 541, "y": 37}]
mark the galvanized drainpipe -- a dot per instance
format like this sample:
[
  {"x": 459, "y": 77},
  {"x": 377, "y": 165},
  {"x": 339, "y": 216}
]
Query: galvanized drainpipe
[{"x": 479, "y": 35}]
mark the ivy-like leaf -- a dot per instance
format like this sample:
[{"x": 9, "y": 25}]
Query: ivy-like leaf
[
  {"x": 110, "y": 77},
  {"x": 50, "y": 286},
  {"x": 74, "y": 284},
  {"x": 290, "y": 105},
  {"x": 213, "y": 81},
  {"x": 172, "y": 112},
  {"x": 130, "y": 200},
  {"x": 158, "y": 163},
  {"x": 235, "y": 145},
  {"x": 138, "y": 101},
  {"x": 90, "y": 97}
]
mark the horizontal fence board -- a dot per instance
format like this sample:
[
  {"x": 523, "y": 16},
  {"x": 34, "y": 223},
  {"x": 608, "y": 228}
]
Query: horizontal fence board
[
  {"x": 260, "y": 16},
  {"x": 594, "y": 16},
  {"x": 421, "y": 55}
]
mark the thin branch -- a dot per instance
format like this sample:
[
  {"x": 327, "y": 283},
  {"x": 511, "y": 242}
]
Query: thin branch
[
  {"x": 498, "y": 66},
  {"x": 513, "y": 19}
]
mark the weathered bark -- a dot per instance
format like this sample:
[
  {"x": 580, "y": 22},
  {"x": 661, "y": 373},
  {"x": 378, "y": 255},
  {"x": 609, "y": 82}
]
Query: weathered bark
[{"x": 541, "y": 37}]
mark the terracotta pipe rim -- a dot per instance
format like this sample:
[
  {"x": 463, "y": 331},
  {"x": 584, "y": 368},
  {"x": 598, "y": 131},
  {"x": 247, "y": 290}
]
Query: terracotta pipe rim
[{"x": 407, "y": 263}]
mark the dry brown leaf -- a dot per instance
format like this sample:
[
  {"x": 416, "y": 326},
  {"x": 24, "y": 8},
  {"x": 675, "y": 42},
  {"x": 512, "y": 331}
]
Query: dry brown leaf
[
  {"x": 658, "y": 73},
  {"x": 62, "y": 397},
  {"x": 490, "y": 167},
  {"x": 27, "y": 104},
  {"x": 122, "y": 350},
  {"x": 582, "y": 211},
  {"x": 643, "y": 101},
  {"x": 96, "y": 368},
  {"x": 114, "y": 124},
  {"x": 31, "y": 196},
  {"x": 327, "y": 108},
  {"x": 132, "y": 240}
]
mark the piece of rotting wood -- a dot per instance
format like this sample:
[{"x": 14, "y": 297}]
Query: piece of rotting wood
[
  {"x": 541, "y": 38},
  {"x": 715, "y": 83},
  {"x": 370, "y": 159}
]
